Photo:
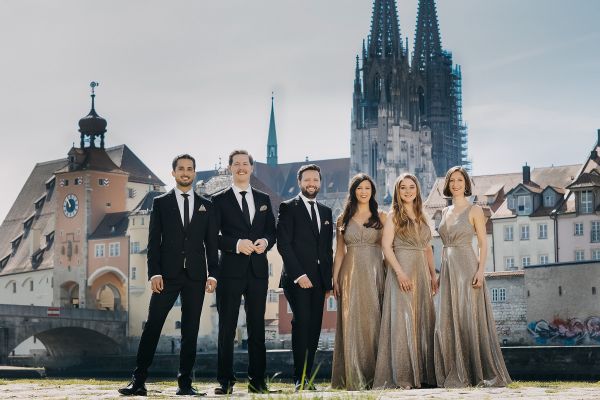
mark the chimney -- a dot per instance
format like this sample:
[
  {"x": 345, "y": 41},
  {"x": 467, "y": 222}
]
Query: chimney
[
  {"x": 526, "y": 174},
  {"x": 34, "y": 241},
  {"x": 598, "y": 142}
]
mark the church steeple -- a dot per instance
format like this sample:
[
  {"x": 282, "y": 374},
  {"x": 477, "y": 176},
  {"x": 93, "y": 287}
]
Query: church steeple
[
  {"x": 385, "y": 40},
  {"x": 272, "y": 140},
  {"x": 428, "y": 45}
]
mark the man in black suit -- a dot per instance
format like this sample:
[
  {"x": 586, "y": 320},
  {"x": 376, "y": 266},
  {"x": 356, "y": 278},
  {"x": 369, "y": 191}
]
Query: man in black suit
[
  {"x": 304, "y": 239},
  {"x": 247, "y": 232},
  {"x": 182, "y": 245}
]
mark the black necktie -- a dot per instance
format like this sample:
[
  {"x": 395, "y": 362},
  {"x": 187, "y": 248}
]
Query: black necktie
[
  {"x": 245, "y": 209},
  {"x": 186, "y": 211},
  {"x": 313, "y": 216}
]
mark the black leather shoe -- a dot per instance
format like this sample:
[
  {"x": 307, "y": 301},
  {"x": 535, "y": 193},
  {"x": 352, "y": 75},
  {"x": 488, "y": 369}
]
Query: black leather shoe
[
  {"x": 189, "y": 391},
  {"x": 135, "y": 388},
  {"x": 223, "y": 390}
]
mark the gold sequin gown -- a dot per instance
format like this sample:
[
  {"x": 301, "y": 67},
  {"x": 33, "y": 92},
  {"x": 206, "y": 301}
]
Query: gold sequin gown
[
  {"x": 361, "y": 280},
  {"x": 467, "y": 352},
  {"x": 405, "y": 354}
]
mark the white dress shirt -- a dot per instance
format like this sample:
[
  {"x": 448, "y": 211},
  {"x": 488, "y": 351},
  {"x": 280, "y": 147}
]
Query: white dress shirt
[
  {"x": 251, "y": 208},
  {"x": 180, "y": 201},
  {"x": 308, "y": 208}
]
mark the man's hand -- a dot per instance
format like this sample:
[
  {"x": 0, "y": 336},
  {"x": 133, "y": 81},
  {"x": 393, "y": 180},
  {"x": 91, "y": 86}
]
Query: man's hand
[
  {"x": 211, "y": 285},
  {"x": 305, "y": 283},
  {"x": 246, "y": 247},
  {"x": 156, "y": 283},
  {"x": 260, "y": 246}
]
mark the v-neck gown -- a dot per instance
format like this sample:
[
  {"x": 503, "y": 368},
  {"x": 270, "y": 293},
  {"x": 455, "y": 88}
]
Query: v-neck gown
[
  {"x": 405, "y": 354},
  {"x": 467, "y": 351},
  {"x": 361, "y": 280}
]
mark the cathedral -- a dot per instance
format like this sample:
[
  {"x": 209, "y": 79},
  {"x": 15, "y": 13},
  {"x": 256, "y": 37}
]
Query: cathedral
[{"x": 406, "y": 111}]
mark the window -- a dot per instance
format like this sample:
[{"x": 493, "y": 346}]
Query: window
[
  {"x": 524, "y": 205},
  {"x": 543, "y": 231},
  {"x": 498, "y": 295},
  {"x": 99, "y": 250},
  {"x": 511, "y": 202},
  {"x": 586, "y": 201},
  {"x": 131, "y": 192},
  {"x": 579, "y": 255},
  {"x": 525, "y": 261},
  {"x": 133, "y": 273},
  {"x": 595, "y": 254},
  {"x": 595, "y": 232},
  {"x": 177, "y": 324},
  {"x": 543, "y": 259},
  {"x": 549, "y": 199},
  {"x": 331, "y": 304},
  {"x": 272, "y": 296},
  {"x": 142, "y": 222},
  {"x": 593, "y": 290},
  {"x": 114, "y": 249},
  {"x": 509, "y": 262},
  {"x": 578, "y": 229},
  {"x": 31, "y": 285},
  {"x": 270, "y": 269},
  {"x": 132, "y": 221},
  {"x": 524, "y": 232},
  {"x": 14, "y": 285},
  {"x": 135, "y": 247},
  {"x": 508, "y": 233},
  {"x": 103, "y": 182},
  {"x": 560, "y": 290}
]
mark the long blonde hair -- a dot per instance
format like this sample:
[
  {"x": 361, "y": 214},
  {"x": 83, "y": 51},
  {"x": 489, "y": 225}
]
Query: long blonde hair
[{"x": 403, "y": 223}]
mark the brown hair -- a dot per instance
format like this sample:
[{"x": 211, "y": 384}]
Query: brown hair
[
  {"x": 237, "y": 152},
  {"x": 309, "y": 167},
  {"x": 351, "y": 205},
  {"x": 182, "y": 157},
  {"x": 403, "y": 223},
  {"x": 465, "y": 174}
]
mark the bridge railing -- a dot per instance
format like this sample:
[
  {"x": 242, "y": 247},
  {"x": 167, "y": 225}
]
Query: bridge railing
[{"x": 61, "y": 312}]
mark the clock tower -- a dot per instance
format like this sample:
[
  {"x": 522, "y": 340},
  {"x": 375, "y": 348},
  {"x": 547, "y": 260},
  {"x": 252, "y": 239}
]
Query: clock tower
[{"x": 88, "y": 188}]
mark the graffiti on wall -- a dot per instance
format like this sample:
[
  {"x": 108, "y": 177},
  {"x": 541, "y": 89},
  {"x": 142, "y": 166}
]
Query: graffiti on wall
[{"x": 572, "y": 331}]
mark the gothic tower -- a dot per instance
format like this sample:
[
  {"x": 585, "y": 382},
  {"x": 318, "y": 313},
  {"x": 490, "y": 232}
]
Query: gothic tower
[
  {"x": 387, "y": 138},
  {"x": 437, "y": 86},
  {"x": 272, "y": 140}
]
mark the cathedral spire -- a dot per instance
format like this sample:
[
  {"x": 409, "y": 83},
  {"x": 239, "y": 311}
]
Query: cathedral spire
[
  {"x": 428, "y": 44},
  {"x": 272, "y": 140},
  {"x": 385, "y": 40}
]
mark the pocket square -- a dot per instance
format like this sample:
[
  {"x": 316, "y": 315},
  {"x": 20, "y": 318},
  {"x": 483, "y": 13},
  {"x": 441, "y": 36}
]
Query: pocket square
[
  {"x": 263, "y": 208},
  {"x": 202, "y": 208},
  {"x": 326, "y": 223}
]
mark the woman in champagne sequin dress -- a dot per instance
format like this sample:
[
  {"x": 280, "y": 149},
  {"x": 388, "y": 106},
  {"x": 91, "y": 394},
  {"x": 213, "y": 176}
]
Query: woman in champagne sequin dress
[
  {"x": 405, "y": 353},
  {"x": 358, "y": 276},
  {"x": 467, "y": 352}
]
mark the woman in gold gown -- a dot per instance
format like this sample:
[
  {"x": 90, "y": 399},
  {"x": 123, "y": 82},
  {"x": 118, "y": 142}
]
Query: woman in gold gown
[
  {"x": 358, "y": 277},
  {"x": 467, "y": 352},
  {"x": 405, "y": 353}
]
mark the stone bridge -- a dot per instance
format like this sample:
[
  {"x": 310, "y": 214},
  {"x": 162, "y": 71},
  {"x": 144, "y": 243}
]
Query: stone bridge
[{"x": 69, "y": 334}]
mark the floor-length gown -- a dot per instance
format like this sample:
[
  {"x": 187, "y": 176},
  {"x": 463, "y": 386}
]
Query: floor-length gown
[
  {"x": 405, "y": 354},
  {"x": 467, "y": 352},
  {"x": 361, "y": 280}
]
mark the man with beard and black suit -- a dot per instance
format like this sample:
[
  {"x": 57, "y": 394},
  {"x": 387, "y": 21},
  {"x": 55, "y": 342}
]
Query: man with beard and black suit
[
  {"x": 182, "y": 245},
  {"x": 247, "y": 231},
  {"x": 305, "y": 242}
]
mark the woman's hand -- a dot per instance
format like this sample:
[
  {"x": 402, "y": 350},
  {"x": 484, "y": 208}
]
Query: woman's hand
[
  {"x": 336, "y": 288},
  {"x": 403, "y": 281},
  {"x": 434, "y": 284},
  {"x": 478, "y": 279}
]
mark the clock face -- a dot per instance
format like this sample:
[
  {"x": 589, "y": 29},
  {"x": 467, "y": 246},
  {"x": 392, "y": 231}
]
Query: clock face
[{"x": 70, "y": 205}]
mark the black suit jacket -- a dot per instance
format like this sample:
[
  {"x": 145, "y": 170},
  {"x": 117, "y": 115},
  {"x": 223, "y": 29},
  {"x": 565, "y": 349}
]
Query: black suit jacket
[
  {"x": 303, "y": 250},
  {"x": 232, "y": 228},
  {"x": 171, "y": 249}
]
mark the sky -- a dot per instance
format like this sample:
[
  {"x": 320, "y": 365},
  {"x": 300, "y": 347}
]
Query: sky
[{"x": 197, "y": 76}]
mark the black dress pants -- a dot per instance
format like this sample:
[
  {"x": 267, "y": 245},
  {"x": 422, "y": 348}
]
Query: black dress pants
[
  {"x": 307, "y": 308},
  {"x": 229, "y": 295},
  {"x": 192, "y": 297}
]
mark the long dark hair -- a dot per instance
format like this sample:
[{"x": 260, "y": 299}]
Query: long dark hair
[{"x": 351, "y": 205}]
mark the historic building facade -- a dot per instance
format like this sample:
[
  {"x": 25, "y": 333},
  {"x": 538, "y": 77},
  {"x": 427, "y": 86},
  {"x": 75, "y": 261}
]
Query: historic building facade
[{"x": 406, "y": 114}]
